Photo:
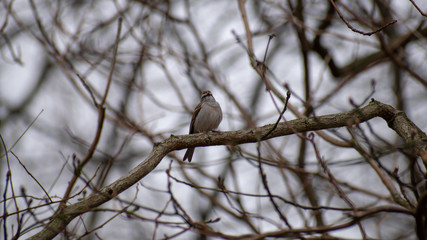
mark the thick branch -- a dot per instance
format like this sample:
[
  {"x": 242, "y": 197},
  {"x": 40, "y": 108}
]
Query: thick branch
[{"x": 396, "y": 120}]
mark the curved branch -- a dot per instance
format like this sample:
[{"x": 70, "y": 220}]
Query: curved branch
[{"x": 397, "y": 120}]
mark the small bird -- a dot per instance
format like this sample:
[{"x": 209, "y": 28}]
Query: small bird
[{"x": 206, "y": 117}]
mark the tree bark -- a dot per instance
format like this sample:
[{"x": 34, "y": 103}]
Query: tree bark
[{"x": 414, "y": 139}]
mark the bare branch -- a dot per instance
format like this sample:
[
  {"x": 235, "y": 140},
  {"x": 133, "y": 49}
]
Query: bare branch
[{"x": 161, "y": 149}]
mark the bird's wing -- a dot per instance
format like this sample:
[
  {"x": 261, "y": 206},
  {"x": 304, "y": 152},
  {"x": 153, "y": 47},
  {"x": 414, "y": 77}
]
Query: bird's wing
[{"x": 193, "y": 118}]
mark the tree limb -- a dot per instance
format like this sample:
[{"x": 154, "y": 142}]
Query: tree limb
[{"x": 413, "y": 137}]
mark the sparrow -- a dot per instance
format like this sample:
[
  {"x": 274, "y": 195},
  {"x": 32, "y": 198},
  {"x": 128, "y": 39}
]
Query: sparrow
[{"x": 206, "y": 117}]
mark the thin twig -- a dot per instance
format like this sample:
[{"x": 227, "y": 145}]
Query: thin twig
[
  {"x": 113, "y": 64},
  {"x": 356, "y": 30},
  {"x": 267, "y": 188},
  {"x": 334, "y": 182},
  {"x": 288, "y": 95},
  {"x": 418, "y": 8},
  {"x": 5, "y": 205},
  {"x": 31, "y": 175},
  {"x": 23, "y": 133},
  {"x": 247, "y": 30},
  {"x": 9, "y": 177},
  {"x": 264, "y": 64},
  {"x": 101, "y": 118},
  {"x": 383, "y": 176}
]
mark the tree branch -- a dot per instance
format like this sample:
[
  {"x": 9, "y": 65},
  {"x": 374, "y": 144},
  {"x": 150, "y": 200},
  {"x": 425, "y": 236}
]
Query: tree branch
[{"x": 414, "y": 138}]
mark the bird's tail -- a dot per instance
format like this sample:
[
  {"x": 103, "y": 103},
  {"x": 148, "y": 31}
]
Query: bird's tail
[{"x": 188, "y": 154}]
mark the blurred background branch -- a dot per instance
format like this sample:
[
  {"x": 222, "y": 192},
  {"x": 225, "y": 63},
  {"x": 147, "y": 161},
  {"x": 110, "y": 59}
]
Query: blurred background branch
[{"x": 358, "y": 180}]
